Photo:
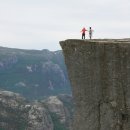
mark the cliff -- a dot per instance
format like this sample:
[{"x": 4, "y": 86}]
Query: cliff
[{"x": 99, "y": 72}]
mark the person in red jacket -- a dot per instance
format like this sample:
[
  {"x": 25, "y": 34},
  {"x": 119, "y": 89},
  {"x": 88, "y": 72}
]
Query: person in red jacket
[{"x": 83, "y": 33}]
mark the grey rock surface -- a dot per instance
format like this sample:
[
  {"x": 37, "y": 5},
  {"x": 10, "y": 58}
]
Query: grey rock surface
[
  {"x": 62, "y": 106},
  {"x": 18, "y": 114},
  {"x": 13, "y": 114},
  {"x": 39, "y": 118},
  {"x": 52, "y": 113},
  {"x": 56, "y": 106},
  {"x": 99, "y": 71}
]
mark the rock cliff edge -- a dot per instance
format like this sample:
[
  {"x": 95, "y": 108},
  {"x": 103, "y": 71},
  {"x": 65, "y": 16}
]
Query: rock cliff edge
[{"x": 99, "y": 71}]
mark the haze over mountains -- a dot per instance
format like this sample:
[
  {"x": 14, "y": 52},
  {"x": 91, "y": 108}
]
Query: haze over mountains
[{"x": 33, "y": 73}]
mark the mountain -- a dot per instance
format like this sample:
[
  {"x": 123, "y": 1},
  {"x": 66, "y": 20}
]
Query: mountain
[
  {"x": 33, "y": 73},
  {"x": 17, "y": 113}
]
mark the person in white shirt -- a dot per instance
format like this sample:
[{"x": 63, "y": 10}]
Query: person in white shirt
[{"x": 90, "y": 32}]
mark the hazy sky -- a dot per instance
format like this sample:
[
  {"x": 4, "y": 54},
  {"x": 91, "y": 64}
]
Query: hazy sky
[{"x": 41, "y": 24}]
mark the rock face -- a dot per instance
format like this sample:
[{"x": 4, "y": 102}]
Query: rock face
[
  {"x": 61, "y": 107},
  {"x": 13, "y": 116},
  {"x": 56, "y": 106},
  {"x": 99, "y": 71},
  {"x": 53, "y": 113},
  {"x": 39, "y": 118},
  {"x": 17, "y": 114}
]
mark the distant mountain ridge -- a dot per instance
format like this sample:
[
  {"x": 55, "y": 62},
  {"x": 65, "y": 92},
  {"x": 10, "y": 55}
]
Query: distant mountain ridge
[{"x": 33, "y": 73}]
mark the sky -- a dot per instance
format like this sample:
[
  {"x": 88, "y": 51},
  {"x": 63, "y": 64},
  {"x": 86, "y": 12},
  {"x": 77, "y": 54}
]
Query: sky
[{"x": 41, "y": 24}]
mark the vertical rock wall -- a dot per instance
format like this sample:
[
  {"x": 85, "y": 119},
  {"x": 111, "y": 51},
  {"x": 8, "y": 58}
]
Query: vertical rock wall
[{"x": 99, "y": 71}]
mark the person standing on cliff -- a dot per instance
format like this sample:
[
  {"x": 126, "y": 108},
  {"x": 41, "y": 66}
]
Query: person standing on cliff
[
  {"x": 83, "y": 33},
  {"x": 90, "y": 32}
]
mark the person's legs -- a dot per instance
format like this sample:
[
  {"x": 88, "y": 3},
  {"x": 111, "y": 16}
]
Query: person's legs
[
  {"x": 83, "y": 36},
  {"x": 90, "y": 35}
]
